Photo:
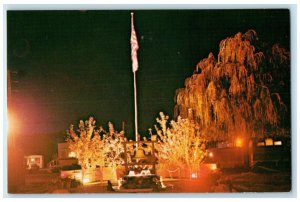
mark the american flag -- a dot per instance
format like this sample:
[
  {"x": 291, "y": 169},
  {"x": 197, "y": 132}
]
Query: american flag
[{"x": 134, "y": 47}]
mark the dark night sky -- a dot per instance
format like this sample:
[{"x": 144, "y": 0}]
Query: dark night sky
[{"x": 74, "y": 64}]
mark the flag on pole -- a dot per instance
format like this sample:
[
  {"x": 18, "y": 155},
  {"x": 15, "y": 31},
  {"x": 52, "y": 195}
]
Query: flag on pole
[{"x": 134, "y": 47}]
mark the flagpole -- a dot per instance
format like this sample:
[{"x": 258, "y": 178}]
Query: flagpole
[
  {"x": 134, "y": 48},
  {"x": 135, "y": 108}
]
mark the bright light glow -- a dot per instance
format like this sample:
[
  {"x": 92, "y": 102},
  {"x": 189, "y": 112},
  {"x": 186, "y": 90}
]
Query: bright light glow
[
  {"x": 10, "y": 122},
  {"x": 131, "y": 173},
  {"x": 238, "y": 142},
  {"x": 194, "y": 175},
  {"x": 77, "y": 176},
  {"x": 32, "y": 159},
  {"x": 85, "y": 180},
  {"x": 269, "y": 141},
  {"x": 213, "y": 166},
  {"x": 210, "y": 154},
  {"x": 278, "y": 143},
  {"x": 62, "y": 175},
  {"x": 72, "y": 155}
]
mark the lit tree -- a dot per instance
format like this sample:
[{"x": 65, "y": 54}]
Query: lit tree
[
  {"x": 87, "y": 145},
  {"x": 113, "y": 148},
  {"x": 180, "y": 144},
  {"x": 230, "y": 96},
  {"x": 91, "y": 150}
]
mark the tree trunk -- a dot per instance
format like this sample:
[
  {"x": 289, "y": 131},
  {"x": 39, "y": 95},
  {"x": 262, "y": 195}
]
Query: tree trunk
[{"x": 248, "y": 153}]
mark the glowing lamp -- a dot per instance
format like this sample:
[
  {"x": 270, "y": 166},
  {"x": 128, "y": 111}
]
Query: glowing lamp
[
  {"x": 77, "y": 176},
  {"x": 131, "y": 173},
  {"x": 72, "y": 155},
  {"x": 12, "y": 123},
  {"x": 269, "y": 142},
  {"x": 85, "y": 180},
  {"x": 210, "y": 154},
  {"x": 62, "y": 175},
  {"x": 238, "y": 142},
  {"x": 278, "y": 143},
  {"x": 213, "y": 166},
  {"x": 194, "y": 175},
  {"x": 32, "y": 159}
]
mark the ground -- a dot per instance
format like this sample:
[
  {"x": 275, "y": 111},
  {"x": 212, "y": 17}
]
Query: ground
[{"x": 221, "y": 181}]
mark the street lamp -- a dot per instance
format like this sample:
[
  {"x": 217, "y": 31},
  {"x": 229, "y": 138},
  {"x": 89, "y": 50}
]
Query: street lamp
[
  {"x": 11, "y": 126},
  {"x": 238, "y": 142}
]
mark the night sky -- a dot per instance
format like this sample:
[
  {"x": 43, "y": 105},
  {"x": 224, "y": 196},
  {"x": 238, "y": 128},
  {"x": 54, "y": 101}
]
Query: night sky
[{"x": 69, "y": 65}]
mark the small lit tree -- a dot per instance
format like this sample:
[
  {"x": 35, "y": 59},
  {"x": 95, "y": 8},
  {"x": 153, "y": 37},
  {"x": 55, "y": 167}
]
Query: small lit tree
[
  {"x": 86, "y": 144},
  {"x": 113, "y": 148},
  {"x": 180, "y": 144},
  {"x": 91, "y": 150}
]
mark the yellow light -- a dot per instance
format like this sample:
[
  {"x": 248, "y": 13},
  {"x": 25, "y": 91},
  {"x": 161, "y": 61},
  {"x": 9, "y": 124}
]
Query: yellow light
[
  {"x": 12, "y": 123},
  {"x": 278, "y": 143},
  {"x": 72, "y": 155},
  {"x": 77, "y": 176},
  {"x": 194, "y": 175},
  {"x": 210, "y": 154},
  {"x": 85, "y": 180},
  {"x": 213, "y": 166},
  {"x": 32, "y": 159},
  {"x": 269, "y": 141},
  {"x": 238, "y": 142}
]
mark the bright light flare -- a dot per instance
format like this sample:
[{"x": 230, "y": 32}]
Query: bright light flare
[
  {"x": 194, "y": 175},
  {"x": 12, "y": 123},
  {"x": 269, "y": 142},
  {"x": 210, "y": 154},
  {"x": 278, "y": 143},
  {"x": 63, "y": 175},
  {"x": 85, "y": 180},
  {"x": 238, "y": 142},
  {"x": 72, "y": 155},
  {"x": 213, "y": 167}
]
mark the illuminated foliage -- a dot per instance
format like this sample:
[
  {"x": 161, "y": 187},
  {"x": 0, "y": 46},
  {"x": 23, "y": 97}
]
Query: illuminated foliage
[
  {"x": 230, "y": 96},
  {"x": 93, "y": 150},
  {"x": 86, "y": 144},
  {"x": 180, "y": 143}
]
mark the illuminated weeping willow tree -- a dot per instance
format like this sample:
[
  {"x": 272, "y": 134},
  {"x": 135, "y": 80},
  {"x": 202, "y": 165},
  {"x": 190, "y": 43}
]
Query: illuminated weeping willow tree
[{"x": 230, "y": 96}]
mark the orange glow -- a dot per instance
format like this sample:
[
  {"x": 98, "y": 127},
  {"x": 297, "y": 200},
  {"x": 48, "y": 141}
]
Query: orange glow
[
  {"x": 210, "y": 154},
  {"x": 11, "y": 123},
  {"x": 72, "y": 155},
  {"x": 194, "y": 175},
  {"x": 269, "y": 142},
  {"x": 213, "y": 166},
  {"x": 85, "y": 180},
  {"x": 238, "y": 142}
]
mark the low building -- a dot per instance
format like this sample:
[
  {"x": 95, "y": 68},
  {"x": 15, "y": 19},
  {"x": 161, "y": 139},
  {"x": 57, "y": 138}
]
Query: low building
[{"x": 34, "y": 161}]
